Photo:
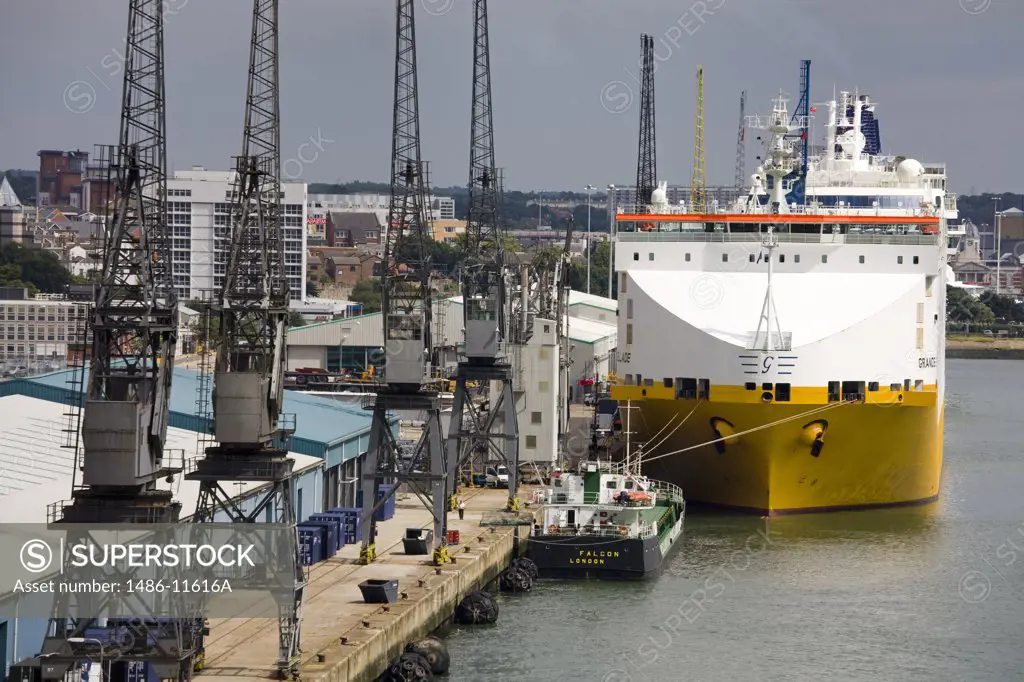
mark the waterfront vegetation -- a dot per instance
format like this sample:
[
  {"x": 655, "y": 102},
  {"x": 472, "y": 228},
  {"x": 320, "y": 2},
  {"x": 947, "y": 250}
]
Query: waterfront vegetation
[{"x": 991, "y": 310}]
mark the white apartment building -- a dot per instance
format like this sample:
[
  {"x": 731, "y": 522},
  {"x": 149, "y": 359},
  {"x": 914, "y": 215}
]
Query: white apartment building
[
  {"x": 317, "y": 206},
  {"x": 199, "y": 213}
]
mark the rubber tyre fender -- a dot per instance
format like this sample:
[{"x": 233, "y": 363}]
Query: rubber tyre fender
[{"x": 434, "y": 651}]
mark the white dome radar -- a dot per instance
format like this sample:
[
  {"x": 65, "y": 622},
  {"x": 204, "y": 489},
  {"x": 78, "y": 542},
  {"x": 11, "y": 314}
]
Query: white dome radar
[
  {"x": 659, "y": 196},
  {"x": 909, "y": 170}
]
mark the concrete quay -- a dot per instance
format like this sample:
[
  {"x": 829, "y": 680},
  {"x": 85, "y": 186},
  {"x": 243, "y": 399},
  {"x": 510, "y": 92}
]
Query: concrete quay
[{"x": 346, "y": 640}]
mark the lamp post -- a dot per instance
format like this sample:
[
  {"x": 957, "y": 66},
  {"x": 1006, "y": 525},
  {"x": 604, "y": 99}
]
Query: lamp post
[
  {"x": 84, "y": 640},
  {"x": 613, "y": 208},
  {"x": 996, "y": 224},
  {"x": 589, "y": 189}
]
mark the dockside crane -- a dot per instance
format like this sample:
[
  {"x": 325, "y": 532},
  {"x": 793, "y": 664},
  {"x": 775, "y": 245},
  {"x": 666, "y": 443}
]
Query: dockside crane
[
  {"x": 407, "y": 306},
  {"x": 119, "y": 432},
  {"x": 252, "y": 306},
  {"x": 561, "y": 286},
  {"x": 475, "y": 430},
  {"x": 647, "y": 162}
]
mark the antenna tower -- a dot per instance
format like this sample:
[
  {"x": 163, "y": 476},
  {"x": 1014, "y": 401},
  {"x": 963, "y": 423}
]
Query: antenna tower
[
  {"x": 698, "y": 188},
  {"x": 741, "y": 149},
  {"x": 252, "y": 306},
  {"x": 407, "y": 316},
  {"x": 646, "y": 164},
  {"x": 801, "y": 125},
  {"x": 133, "y": 335}
]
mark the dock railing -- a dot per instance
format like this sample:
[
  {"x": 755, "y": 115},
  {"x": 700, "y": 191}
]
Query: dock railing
[
  {"x": 669, "y": 490},
  {"x": 556, "y": 499},
  {"x": 881, "y": 237},
  {"x": 643, "y": 530}
]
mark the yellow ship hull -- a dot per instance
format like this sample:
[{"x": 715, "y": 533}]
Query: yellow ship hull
[{"x": 790, "y": 457}]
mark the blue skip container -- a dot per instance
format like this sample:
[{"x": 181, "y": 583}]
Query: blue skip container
[
  {"x": 311, "y": 543},
  {"x": 351, "y": 523},
  {"x": 336, "y": 529}
]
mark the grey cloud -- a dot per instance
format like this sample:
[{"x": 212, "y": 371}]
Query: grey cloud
[{"x": 945, "y": 80}]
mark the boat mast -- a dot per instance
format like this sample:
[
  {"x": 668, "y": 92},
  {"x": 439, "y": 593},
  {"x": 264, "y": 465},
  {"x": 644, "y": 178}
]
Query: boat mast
[
  {"x": 628, "y": 410},
  {"x": 769, "y": 316},
  {"x": 631, "y": 464}
]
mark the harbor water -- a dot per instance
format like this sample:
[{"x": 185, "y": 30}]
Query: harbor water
[{"x": 923, "y": 593}]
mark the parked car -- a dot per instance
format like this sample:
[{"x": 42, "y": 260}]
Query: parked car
[{"x": 497, "y": 477}]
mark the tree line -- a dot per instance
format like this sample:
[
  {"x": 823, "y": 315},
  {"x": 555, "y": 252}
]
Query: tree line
[{"x": 989, "y": 308}]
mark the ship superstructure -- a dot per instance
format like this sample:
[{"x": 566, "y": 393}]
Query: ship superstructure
[
  {"x": 793, "y": 351},
  {"x": 608, "y": 523}
]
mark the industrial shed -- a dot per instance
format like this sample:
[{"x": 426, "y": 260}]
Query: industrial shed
[
  {"x": 591, "y": 352},
  {"x": 333, "y": 432},
  {"x": 593, "y": 307},
  {"x": 36, "y": 470},
  {"x": 350, "y": 343}
]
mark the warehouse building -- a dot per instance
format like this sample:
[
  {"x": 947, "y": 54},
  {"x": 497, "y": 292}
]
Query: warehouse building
[
  {"x": 591, "y": 353},
  {"x": 354, "y": 345},
  {"x": 36, "y": 471},
  {"x": 334, "y": 433},
  {"x": 593, "y": 307}
]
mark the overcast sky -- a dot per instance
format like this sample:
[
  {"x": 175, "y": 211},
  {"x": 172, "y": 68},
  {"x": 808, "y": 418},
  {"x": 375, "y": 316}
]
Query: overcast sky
[{"x": 948, "y": 76}]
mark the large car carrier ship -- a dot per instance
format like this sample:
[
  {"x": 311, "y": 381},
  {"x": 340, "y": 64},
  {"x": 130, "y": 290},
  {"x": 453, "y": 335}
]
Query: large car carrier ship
[{"x": 789, "y": 354}]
